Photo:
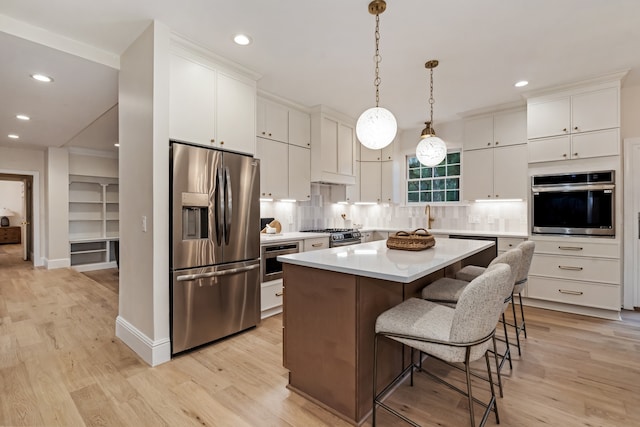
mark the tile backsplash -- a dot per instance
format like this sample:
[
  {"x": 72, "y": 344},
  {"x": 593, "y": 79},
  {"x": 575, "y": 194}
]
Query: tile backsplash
[{"x": 320, "y": 213}]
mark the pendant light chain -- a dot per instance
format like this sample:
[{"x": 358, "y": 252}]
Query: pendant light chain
[
  {"x": 431, "y": 100},
  {"x": 377, "y": 58}
]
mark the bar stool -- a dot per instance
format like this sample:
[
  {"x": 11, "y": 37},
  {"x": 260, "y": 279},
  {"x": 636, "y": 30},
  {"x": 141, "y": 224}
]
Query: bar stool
[
  {"x": 448, "y": 290},
  {"x": 527, "y": 247},
  {"x": 454, "y": 335}
]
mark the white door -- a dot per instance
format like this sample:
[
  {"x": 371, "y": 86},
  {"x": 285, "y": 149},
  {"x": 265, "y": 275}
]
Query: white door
[{"x": 631, "y": 199}]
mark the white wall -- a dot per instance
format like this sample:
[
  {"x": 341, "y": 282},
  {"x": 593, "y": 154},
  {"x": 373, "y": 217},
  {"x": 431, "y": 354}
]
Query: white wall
[
  {"x": 630, "y": 120},
  {"x": 95, "y": 164},
  {"x": 11, "y": 197},
  {"x": 57, "y": 208},
  {"x": 143, "y": 320}
]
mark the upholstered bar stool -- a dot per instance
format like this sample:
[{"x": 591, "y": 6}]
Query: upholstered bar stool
[
  {"x": 447, "y": 291},
  {"x": 470, "y": 272},
  {"x": 454, "y": 335}
]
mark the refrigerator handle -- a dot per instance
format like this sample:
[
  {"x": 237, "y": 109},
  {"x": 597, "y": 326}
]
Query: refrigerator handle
[
  {"x": 219, "y": 208},
  {"x": 191, "y": 277},
  {"x": 229, "y": 205}
]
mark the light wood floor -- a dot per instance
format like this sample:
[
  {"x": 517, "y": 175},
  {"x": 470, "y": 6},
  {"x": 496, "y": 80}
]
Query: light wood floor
[{"x": 61, "y": 365}]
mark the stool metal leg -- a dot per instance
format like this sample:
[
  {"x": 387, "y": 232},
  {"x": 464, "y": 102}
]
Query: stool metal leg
[
  {"x": 375, "y": 371},
  {"x": 495, "y": 355},
  {"x": 515, "y": 325},
  {"x": 493, "y": 394},
  {"x": 524, "y": 325},
  {"x": 467, "y": 370},
  {"x": 507, "y": 352}
]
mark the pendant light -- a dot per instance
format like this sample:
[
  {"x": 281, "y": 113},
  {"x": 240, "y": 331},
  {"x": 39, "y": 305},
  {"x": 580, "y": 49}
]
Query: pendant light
[
  {"x": 431, "y": 150},
  {"x": 376, "y": 127}
]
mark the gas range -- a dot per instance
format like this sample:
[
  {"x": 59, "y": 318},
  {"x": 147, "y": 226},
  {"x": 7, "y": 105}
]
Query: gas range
[{"x": 340, "y": 236}]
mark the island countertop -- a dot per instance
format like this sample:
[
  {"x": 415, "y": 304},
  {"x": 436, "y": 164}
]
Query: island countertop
[{"x": 375, "y": 260}]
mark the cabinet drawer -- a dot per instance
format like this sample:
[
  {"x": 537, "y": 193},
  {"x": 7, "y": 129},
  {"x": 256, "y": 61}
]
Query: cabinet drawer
[
  {"x": 577, "y": 268},
  {"x": 578, "y": 293},
  {"x": 271, "y": 294},
  {"x": 316, "y": 244},
  {"x": 602, "y": 248},
  {"x": 506, "y": 243}
]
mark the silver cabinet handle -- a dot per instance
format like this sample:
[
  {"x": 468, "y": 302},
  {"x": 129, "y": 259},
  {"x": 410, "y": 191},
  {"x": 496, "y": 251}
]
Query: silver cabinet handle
[
  {"x": 317, "y": 245},
  {"x": 279, "y": 294},
  {"x": 568, "y": 267},
  {"x": 191, "y": 277},
  {"x": 570, "y": 248},
  {"x": 565, "y": 291}
]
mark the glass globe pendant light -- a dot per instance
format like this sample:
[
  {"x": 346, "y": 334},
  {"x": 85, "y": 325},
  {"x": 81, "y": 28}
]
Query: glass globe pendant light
[
  {"x": 431, "y": 150},
  {"x": 376, "y": 127}
]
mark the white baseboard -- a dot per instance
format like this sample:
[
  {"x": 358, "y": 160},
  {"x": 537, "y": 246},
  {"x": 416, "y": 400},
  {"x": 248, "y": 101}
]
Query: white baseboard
[
  {"x": 52, "y": 264},
  {"x": 152, "y": 352},
  {"x": 570, "y": 308},
  {"x": 270, "y": 312},
  {"x": 95, "y": 266}
]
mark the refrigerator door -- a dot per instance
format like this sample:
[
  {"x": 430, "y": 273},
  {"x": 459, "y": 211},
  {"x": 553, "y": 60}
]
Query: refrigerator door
[
  {"x": 195, "y": 235},
  {"x": 241, "y": 203},
  {"x": 213, "y": 302}
]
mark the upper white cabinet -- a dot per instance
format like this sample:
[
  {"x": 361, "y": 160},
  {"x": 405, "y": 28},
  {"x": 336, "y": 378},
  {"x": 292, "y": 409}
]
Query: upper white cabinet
[
  {"x": 495, "y": 173},
  {"x": 369, "y": 155},
  {"x": 495, "y": 156},
  {"x": 497, "y": 130},
  {"x": 299, "y": 128},
  {"x": 568, "y": 113},
  {"x": 209, "y": 106},
  {"x": 332, "y": 148},
  {"x": 375, "y": 177},
  {"x": 273, "y": 121},
  {"x": 576, "y": 124},
  {"x": 274, "y": 173},
  {"x": 370, "y": 182},
  {"x": 299, "y": 173}
]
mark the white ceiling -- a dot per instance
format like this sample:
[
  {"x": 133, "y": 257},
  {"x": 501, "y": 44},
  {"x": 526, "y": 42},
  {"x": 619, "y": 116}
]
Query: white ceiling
[{"x": 321, "y": 53}]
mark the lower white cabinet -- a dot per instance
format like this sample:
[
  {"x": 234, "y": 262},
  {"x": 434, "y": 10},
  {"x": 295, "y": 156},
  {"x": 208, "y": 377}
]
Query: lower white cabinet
[
  {"x": 271, "y": 295},
  {"x": 315, "y": 244},
  {"x": 579, "y": 271}
]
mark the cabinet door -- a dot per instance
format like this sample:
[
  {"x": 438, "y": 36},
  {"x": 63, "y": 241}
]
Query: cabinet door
[
  {"x": 478, "y": 174},
  {"x": 510, "y": 128},
  {"x": 299, "y": 128},
  {"x": 386, "y": 184},
  {"x": 370, "y": 182},
  {"x": 510, "y": 172},
  {"x": 273, "y": 121},
  {"x": 192, "y": 101},
  {"x": 274, "y": 177},
  {"x": 478, "y": 133},
  {"x": 299, "y": 173},
  {"x": 549, "y": 149},
  {"x": 369, "y": 155},
  {"x": 329, "y": 158},
  {"x": 353, "y": 191},
  {"x": 595, "y": 110},
  {"x": 346, "y": 149},
  {"x": 236, "y": 114},
  {"x": 387, "y": 152},
  {"x": 595, "y": 144},
  {"x": 548, "y": 118}
]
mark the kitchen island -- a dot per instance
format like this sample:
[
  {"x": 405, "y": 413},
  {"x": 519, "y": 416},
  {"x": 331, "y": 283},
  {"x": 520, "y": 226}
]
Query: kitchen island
[{"x": 332, "y": 298}]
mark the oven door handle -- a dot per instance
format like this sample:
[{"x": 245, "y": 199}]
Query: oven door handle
[{"x": 191, "y": 277}]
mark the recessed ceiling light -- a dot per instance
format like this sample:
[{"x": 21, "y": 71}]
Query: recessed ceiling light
[
  {"x": 13, "y": 136},
  {"x": 521, "y": 83},
  {"x": 41, "y": 78},
  {"x": 117, "y": 144},
  {"x": 242, "y": 39},
  {"x": 23, "y": 117}
]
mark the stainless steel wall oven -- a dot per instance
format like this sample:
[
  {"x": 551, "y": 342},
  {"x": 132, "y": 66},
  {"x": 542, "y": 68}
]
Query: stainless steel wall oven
[
  {"x": 271, "y": 267},
  {"x": 574, "y": 204}
]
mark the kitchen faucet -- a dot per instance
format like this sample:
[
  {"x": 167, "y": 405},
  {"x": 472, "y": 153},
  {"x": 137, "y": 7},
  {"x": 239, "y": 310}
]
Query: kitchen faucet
[{"x": 427, "y": 211}]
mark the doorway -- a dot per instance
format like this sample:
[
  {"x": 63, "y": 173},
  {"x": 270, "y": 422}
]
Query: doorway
[
  {"x": 17, "y": 193},
  {"x": 631, "y": 296}
]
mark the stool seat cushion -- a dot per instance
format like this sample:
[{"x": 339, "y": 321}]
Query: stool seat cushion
[
  {"x": 444, "y": 290},
  {"x": 469, "y": 272}
]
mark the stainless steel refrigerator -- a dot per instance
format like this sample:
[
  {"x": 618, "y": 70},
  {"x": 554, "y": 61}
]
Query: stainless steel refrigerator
[{"x": 215, "y": 244}]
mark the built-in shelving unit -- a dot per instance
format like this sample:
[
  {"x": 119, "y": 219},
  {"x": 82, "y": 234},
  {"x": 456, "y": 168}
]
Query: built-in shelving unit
[{"x": 93, "y": 222}]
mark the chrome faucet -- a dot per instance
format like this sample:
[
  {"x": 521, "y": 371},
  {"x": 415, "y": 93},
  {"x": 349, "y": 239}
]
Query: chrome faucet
[{"x": 427, "y": 211}]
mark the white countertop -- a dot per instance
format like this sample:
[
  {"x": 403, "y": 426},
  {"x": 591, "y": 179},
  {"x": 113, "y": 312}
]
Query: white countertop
[
  {"x": 437, "y": 231},
  {"x": 375, "y": 260},
  {"x": 287, "y": 237}
]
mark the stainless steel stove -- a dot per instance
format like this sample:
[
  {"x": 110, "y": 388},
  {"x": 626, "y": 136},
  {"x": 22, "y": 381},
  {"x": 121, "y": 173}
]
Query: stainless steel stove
[{"x": 340, "y": 236}]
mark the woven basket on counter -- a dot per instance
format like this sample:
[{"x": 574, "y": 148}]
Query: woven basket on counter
[{"x": 416, "y": 240}]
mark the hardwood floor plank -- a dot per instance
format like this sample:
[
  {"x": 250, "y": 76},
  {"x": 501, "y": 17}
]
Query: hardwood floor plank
[
  {"x": 95, "y": 407},
  {"x": 19, "y": 403}
]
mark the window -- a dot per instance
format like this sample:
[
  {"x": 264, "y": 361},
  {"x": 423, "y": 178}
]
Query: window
[{"x": 439, "y": 183}]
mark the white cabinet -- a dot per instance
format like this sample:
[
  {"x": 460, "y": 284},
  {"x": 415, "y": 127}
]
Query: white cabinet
[
  {"x": 332, "y": 147},
  {"x": 299, "y": 173},
  {"x": 272, "y": 120},
  {"x": 577, "y": 146},
  {"x": 497, "y": 130},
  {"x": 567, "y": 113},
  {"x": 352, "y": 192},
  {"x": 576, "y": 271},
  {"x": 211, "y": 107},
  {"x": 369, "y": 155},
  {"x": 386, "y": 186},
  {"x": 495, "y": 173},
  {"x": 93, "y": 221},
  {"x": 370, "y": 182},
  {"x": 299, "y": 128},
  {"x": 375, "y": 175},
  {"x": 316, "y": 244},
  {"x": 274, "y": 174}
]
